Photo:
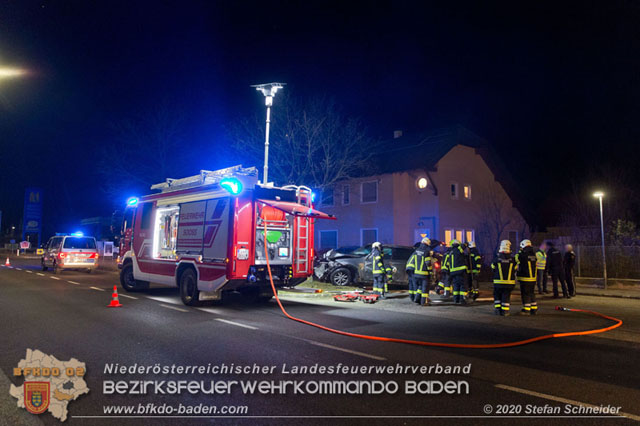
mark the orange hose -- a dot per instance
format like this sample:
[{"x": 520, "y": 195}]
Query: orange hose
[{"x": 618, "y": 323}]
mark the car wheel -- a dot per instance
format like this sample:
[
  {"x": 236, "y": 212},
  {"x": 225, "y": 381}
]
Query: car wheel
[
  {"x": 128, "y": 280},
  {"x": 341, "y": 277},
  {"x": 189, "y": 292}
]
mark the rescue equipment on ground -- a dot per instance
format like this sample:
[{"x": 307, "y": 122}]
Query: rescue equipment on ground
[{"x": 354, "y": 296}]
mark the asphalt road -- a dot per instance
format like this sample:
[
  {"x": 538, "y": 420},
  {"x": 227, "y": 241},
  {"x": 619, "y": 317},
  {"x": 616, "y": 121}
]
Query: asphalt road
[{"x": 65, "y": 315}]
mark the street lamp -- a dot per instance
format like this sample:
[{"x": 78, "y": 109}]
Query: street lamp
[
  {"x": 8, "y": 72},
  {"x": 269, "y": 91},
  {"x": 599, "y": 195}
]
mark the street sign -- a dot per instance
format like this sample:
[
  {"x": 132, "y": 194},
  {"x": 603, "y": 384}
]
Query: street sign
[
  {"x": 39, "y": 251},
  {"x": 32, "y": 213},
  {"x": 24, "y": 245}
]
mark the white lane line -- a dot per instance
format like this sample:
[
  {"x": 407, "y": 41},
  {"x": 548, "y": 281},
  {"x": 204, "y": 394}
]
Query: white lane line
[
  {"x": 126, "y": 295},
  {"x": 175, "y": 308},
  {"x": 559, "y": 399},
  {"x": 337, "y": 348},
  {"x": 73, "y": 282},
  {"x": 172, "y": 301},
  {"x": 96, "y": 288},
  {"x": 18, "y": 269},
  {"x": 38, "y": 273},
  {"x": 212, "y": 311},
  {"x": 236, "y": 324},
  {"x": 54, "y": 278},
  {"x": 28, "y": 272}
]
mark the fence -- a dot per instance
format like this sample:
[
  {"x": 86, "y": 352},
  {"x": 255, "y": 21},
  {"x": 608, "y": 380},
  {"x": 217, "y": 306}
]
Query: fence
[{"x": 622, "y": 262}]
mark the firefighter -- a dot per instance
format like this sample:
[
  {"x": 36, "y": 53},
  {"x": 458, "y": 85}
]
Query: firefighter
[
  {"x": 422, "y": 272},
  {"x": 475, "y": 263},
  {"x": 555, "y": 268},
  {"x": 380, "y": 272},
  {"x": 457, "y": 267},
  {"x": 503, "y": 266},
  {"x": 569, "y": 262},
  {"x": 541, "y": 266},
  {"x": 526, "y": 271},
  {"x": 444, "y": 286},
  {"x": 410, "y": 269}
]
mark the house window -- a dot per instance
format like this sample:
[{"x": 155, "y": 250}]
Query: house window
[
  {"x": 368, "y": 236},
  {"x": 328, "y": 239},
  {"x": 346, "y": 196},
  {"x": 369, "y": 192},
  {"x": 470, "y": 236},
  {"x": 454, "y": 190},
  {"x": 448, "y": 236},
  {"x": 459, "y": 235},
  {"x": 466, "y": 191},
  {"x": 327, "y": 197}
]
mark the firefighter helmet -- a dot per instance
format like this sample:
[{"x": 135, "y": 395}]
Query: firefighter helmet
[
  {"x": 525, "y": 243},
  {"x": 426, "y": 241},
  {"x": 454, "y": 243},
  {"x": 472, "y": 244},
  {"x": 376, "y": 245},
  {"x": 505, "y": 246}
]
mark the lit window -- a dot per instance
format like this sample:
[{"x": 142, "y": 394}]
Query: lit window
[
  {"x": 454, "y": 190},
  {"x": 422, "y": 183},
  {"x": 327, "y": 197},
  {"x": 470, "y": 236},
  {"x": 448, "y": 236},
  {"x": 467, "y": 192},
  {"x": 346, "y": 196},
  {"x": 459, "y": 235},
  {"x": 369, "y": 192}
]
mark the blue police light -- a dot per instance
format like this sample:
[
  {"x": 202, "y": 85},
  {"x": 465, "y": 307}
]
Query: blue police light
[
  {"x": 132, "y": 201},
  {"x": 231, "y": 184},
  {"x": 78, "y": 234},
  {"x": 313, "y": 197}
]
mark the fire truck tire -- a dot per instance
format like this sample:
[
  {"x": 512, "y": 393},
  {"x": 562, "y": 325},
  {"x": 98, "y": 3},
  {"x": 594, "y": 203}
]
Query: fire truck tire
[
  {"x": 189, "y": 292},
  {"x": 128, "y": 281},
  {"x": 341, "y": 276}
]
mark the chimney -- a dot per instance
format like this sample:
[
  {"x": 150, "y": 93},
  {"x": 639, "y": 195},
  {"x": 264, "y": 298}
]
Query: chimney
[{"x": 397, "y": 134}]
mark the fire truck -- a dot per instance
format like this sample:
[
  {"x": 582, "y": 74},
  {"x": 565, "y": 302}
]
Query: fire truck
[{"x": 205, "y": 234}]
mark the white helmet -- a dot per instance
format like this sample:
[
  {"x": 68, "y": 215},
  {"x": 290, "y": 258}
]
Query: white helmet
[
  {"x": 472, "y": 244},
  {"x": 426, "y": 241},
  {"x": 505, "y": 246},
  {"x": 525, "y": 243},
  {"x": 376, "y": 245}
]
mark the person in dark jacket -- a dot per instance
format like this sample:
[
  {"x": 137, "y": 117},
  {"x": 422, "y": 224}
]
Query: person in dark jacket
[
  {"x": 527, "y": 274},
  {"x": 457, "y": 266},
  {"x": 569, "y": 262},
  {"x": 555, "y": 268},
  {"x": 475, "y": 264},
  {"x": 504, "y": 278}
]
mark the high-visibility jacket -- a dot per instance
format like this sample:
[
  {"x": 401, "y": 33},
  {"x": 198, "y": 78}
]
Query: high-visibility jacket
[
  {"x": 526, "y": 261},
  {"x": 475, "y": 260},
  {"x": 541, "y": 259},
  {"x": 457, "y": 263},
  {"x": 445, "y": 260},
  {"x": 420, "y": 261},
  {"x": 378, "y": 264},
  {"x": 504, "y": 269}
]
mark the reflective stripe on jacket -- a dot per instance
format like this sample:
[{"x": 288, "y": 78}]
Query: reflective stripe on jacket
[
  {"x": 526, "y": 261},
  {"x": 504, "y": 271}
]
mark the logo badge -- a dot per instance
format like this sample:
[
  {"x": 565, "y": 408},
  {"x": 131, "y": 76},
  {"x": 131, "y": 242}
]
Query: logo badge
[{"x": 36, "y": 396}]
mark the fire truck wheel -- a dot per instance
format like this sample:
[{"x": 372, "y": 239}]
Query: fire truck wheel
[
  {"x": 189, "y": 287},
  {"x": 128, "y": 281},
  {"x": 341, "y": 277}
]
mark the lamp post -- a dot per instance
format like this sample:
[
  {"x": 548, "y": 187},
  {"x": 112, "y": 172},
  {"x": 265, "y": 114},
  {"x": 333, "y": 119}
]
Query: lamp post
[
  {"x": 599, "y": 195},
  {"x": 269, "y": 91}
]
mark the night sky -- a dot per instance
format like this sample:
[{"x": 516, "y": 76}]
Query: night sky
[{"x": 554, "y": 86}]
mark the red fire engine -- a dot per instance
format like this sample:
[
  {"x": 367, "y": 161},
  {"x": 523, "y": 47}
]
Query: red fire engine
[{"x": 206, "y": 235}]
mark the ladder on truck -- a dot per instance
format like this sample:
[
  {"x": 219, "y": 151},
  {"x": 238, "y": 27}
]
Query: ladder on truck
[{"x": 302, "y": 246}]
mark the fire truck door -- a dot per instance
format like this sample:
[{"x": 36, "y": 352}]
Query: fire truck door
[
  {"x": 190, "y": 227},
  {"x": 216, "y": 229}
]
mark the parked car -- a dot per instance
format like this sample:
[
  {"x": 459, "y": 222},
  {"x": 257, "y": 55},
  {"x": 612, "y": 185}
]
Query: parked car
[
  {"x": 345, "y": 267},
  {"x": 70, "y": 251}
]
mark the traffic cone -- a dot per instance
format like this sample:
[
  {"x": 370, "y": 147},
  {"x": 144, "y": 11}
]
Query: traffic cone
[
  {"x": 115, "y": 302},
  {"x": 7, "y": 263}
]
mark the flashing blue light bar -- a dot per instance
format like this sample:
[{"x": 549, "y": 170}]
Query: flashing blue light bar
[
  {"x": 78, "y": 234},
  {"x": 231, "y": 184},
  {"x": 132, "y": 201},
  {"x": 313, "y": 197}
]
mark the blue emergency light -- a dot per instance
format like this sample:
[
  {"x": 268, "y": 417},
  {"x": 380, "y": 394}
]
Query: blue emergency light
[
  {"x": 78, "y": 234},
  {"x": 231, "y": 184},
  {"x": 132, "y": 201}
]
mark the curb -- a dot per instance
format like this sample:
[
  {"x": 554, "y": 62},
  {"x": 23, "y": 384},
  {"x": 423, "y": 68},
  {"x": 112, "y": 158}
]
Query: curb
[{"x": 614, "y": 296}]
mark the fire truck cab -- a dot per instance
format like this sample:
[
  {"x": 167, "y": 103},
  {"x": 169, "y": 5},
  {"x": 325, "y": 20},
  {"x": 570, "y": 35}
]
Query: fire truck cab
[{"x": 206, "y": 235}]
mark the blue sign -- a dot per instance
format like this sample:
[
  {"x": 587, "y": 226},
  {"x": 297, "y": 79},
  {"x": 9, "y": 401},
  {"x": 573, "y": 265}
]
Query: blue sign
[{"x": 32, "y": 213}]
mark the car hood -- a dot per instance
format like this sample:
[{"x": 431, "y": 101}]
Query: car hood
[{"x": 333, "y": 255}]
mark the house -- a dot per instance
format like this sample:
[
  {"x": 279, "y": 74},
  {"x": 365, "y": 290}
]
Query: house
[{"x": 447, "y": 184}]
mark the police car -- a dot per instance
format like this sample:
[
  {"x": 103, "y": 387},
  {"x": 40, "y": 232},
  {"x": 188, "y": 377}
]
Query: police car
[{"x": 70, "y": 251}]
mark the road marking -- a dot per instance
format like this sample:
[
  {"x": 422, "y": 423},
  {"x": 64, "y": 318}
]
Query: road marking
[
  {"x": 170, "y": 300},
  {"x": 563, "y": 400},
  {"x": 236, "y": 324},
  {"x": 54, "y": 278},
  {"x": 73, "y": 282},
  {"x": 126, "y": 295},
  {"x": 38, "y": 273},
  {"x": 211, "y": 311},
  {"x": 336, "y": 348},
  {"x": 18, "y": 269},
  {"x": 175, "y": 308},
  {"x": 96, "y": 288},
  {"x": 29, "y": 272}
]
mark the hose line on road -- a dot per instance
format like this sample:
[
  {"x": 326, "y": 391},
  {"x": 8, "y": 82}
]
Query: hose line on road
[{"x": 618, "y": 323}]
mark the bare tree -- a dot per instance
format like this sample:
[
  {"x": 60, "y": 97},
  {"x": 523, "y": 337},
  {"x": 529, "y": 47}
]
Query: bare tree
[
  {"x": 493, "y": 217},
  {"x": 145, "y": 150},
  {"x": 313, "y": 142}
]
